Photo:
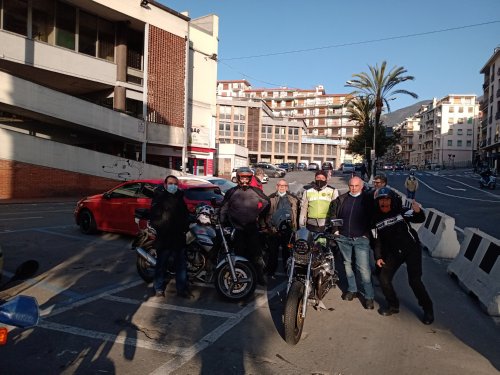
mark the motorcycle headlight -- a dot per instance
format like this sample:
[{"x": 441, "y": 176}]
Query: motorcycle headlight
[{"x": 301, "y": 247}]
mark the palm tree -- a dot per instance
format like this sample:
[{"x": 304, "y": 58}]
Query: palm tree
[{"x": 379, "y": 85}]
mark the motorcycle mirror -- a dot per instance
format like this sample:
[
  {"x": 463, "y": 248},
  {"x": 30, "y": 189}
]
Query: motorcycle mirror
[{"x": 337, "y": 222}]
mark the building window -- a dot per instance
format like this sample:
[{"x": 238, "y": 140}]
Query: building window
[
  {"x": 224, "y": 112},
  {"x": 279, "y": 132},
  {"x": 450, "y": 143},
  {"x": 469, "y": 143},
  {"x": 239, "y": 113},
  {"x": 279, "y": 148},
  {"x": 266, "y": 146},
  {"x": 469, "y": 131},
  {"x": 15, "y": 16},
  {"x": 239, "y": 130},
  {"x": 451, "y": 110},
  {"x": 65, "y": 25},
  {"x": 450, "y": 131},
  {"x": 460, "y": 109},
  {"x": 135, "y": 49},
  {"x": 460, "y": 131},
  {"x": 267, "y": 132},
  {"x": 319, "y": 149},
  {"x": 224, "y": 129},
  {"x": 293, "y": 148},
  {"x": 459, "y": 143},
  {"x": 293, "y": 134},
  {"x": 87, "y": 37},
  {"x": 43, "y": 21},
  {"x": 470, "y": 109},
  {"x": 106, "y": 40},
  {"x": 306, "y": 148},
  {"x": 451, "y": 120},
  {"x": 460, "y": 120}
]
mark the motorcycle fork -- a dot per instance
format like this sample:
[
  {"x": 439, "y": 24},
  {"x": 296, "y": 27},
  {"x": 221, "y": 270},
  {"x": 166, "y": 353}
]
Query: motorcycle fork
[
  {"x": 307, "y": 287},
  {"x": 290, "y": 274},
  {"x": 228, "y": 255}
]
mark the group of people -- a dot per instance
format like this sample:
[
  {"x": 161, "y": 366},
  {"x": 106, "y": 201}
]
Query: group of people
[{"x": 374, "y": 219}]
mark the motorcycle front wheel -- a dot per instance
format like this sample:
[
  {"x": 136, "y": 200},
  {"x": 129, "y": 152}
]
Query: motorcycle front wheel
[
  {"x": 293, "y": 319},
  {"x": 145, "y": 270},
  {"x": 235, "y": 291}
]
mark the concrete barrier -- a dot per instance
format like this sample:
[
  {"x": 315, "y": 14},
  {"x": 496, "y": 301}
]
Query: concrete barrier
[
  {"x": 438, "y": 235},
  {"x": 477, "y": 268}
]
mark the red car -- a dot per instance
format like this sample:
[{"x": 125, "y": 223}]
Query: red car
[{"x": 113, "y": 211}]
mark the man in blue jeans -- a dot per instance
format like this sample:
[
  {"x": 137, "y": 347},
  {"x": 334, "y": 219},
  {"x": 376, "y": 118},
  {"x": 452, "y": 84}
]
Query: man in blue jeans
[
  {"x": 355, "y": 208},
  {"x": 169, "y": 216}
]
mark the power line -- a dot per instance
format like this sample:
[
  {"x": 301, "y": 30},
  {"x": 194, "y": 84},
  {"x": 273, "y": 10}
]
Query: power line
[{"x": 361, "y": 42}]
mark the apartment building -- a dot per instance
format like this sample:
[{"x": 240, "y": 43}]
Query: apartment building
[
  {"x": 446, "y": 132},
  {"x": 252, "y": 124},
  {"x": 94, "y": 91},
  {"x": 489, "y": 137},
  {"x": 325, "y": 115},
  {"x": 409, "y": 130}
]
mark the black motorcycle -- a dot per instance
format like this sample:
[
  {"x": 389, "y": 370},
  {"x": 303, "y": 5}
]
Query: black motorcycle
[
  {"x": 311, "y": 274},
  {"x": 210, "y": 257}
]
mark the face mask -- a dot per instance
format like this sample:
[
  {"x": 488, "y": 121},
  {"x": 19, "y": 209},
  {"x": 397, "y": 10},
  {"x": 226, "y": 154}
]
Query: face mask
[
  {"x": 354, "y": 195},
  {"x": 172, "y": 188},
  {"x": 320, "y": 183},
  {"x": 281, "y": 194}
]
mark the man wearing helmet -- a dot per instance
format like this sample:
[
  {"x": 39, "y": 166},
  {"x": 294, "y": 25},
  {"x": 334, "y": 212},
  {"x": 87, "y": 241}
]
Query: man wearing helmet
[
  {"x": 242, "y": 207},
  {"x": 396, "y": 242}
]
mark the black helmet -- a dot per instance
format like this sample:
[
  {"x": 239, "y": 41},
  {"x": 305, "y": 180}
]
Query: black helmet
[
  {"x": 383, "y": 192},
  {"x": 243, "y": 172}
]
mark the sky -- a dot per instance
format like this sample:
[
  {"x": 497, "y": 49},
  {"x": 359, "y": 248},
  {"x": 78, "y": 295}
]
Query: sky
[{"x": 302, "y": 44}]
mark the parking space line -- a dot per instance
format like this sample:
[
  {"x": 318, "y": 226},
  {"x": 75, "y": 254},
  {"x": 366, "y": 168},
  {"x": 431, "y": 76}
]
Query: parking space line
[
  {"x": 96, "y": 335},
  {"x": 6, "y": 231},
  {"x": 185, "y": 355},
  {"x": 164, "y": 306}
]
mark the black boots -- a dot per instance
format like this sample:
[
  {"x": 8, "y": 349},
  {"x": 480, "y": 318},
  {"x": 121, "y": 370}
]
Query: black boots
[{"x": 428, "y": 317}]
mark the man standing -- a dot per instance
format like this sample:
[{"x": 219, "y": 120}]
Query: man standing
[
  {"x": 315, "y": 203},
  {"x": 282, "y": 218},
  {"x": 242, "y": 207},
  {"x": 397, "y": 243},
  {"x": 355, "y": 208},
  {"x": 169, "y": 217},
  {"x": 411, "y": 185}
]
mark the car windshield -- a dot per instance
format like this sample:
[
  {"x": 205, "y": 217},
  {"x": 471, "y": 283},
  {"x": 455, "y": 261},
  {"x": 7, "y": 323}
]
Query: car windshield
[
  {"x": 202, "y": 194},
  {"x": 224, "y": 185}
]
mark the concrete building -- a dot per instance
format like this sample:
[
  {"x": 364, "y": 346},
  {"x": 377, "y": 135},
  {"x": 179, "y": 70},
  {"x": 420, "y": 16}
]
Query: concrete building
[
  {"x": 489, "y": 137},
  {"x": 252, "y": 124},
  {"x": 94, "y": 91},
  {"x": 325, "y": 115}
]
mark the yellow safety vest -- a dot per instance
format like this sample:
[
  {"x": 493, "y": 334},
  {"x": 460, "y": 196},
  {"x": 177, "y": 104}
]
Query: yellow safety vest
[{"x": 319, "y": 202}]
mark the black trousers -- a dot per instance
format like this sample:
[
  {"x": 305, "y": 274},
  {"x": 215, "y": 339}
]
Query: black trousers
[
  {"x": 413, "y": 260},
  {"x": 275, "y": 241}
]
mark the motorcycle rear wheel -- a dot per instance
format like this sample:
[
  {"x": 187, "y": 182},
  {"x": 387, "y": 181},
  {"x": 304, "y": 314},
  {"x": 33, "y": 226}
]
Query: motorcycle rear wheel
[
  {"x": 145, "y": 270},
  {"x": 293, "y": 320},
  {"x": 235, "y": 291}
]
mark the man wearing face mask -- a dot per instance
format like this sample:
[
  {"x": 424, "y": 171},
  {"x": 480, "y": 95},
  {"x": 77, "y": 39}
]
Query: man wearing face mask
[
  {"x": 282, "y": 219},
  {"x": 396, "y": 242},
  {"x": 315, "y": 203},
  {"x": 355, "y": 208},
  {"x": 169, "y": 217}
]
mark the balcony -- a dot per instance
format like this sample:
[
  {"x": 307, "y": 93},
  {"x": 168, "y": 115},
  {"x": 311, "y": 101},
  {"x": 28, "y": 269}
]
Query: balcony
[
  {"x": 497, "y": 116},
  {"x": 498, "y": 93}
]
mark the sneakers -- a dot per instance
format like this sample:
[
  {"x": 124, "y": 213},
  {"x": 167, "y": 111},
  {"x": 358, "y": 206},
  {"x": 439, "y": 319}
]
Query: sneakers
[
  {"x": 349, "y": 296},
  {"x": 388, "y": 311},
  {"x": 369, "y": 304},
  {"x": 428, "y": 317}
]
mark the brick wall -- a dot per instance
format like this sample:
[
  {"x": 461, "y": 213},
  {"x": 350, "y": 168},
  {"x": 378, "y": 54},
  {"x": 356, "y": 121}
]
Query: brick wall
[
  {"x": 166, "y": 72},
  {"x": 21, "y": 180}
]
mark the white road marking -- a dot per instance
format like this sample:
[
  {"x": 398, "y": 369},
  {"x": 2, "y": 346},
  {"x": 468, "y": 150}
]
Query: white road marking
[
  {"x": 473, "y": 187},
  {"x": 35, "y": 229},
  {"x": 452, "y": 188},
  {"x": 185, "y": 355},
  {"x": 457, "y": 196},
  {"x": 22, "y": 218},
  {"x": 37, "y": 211}
]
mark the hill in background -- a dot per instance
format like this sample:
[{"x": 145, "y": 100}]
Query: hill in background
[{"x": 393, "y": 118}]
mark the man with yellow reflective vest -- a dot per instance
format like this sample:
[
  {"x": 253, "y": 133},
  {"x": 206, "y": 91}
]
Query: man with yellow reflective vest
[{"x": 315, "y": 203}]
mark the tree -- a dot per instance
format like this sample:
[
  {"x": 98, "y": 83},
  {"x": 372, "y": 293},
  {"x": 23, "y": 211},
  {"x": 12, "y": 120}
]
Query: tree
[{"x": 380, "y": 86}]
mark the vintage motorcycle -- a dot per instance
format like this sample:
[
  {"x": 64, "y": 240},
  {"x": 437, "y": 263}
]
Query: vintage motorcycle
[
  {"x": 209, "y": 252},
  {"x": 311, "y": 274}
]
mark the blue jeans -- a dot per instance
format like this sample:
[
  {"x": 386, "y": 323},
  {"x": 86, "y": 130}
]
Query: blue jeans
[
  {"x": 361, "y": 246},
  {"x": 180, "y": 263}
]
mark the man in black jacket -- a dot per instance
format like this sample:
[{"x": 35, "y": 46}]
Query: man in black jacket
[
  {"x": 169, "y": 216},
  {"x": 242, "y": 207},
  {"x": 355, "y": 209},
  {"x": 396, "y": 242}
]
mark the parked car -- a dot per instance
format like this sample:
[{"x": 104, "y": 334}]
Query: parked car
[
  {"x": 113, "y": 211},
  {"x": 357, "y": 166},
  {"x": 270, "y": 169},
  {"x": 413, "y": 168},
  {"x": 301, "y": 166},
  {"x": 327, "y": 166},
  {"x": 286, "y": 166},
  {"x": 348, "y": 168},
  {"x": 313, "y": 167},
  {"x": 388, "y": 166},
  {"x": 399, "y": 167},
  {"x": 293, "y": 166}
]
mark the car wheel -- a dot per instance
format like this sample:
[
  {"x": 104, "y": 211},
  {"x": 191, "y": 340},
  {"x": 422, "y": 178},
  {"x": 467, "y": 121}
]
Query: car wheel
[{"x": 87, "y": 222}]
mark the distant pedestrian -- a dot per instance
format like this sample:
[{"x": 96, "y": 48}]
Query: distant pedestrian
[
  {"x": 411, "y": 185},
  {"x": 363, "y": 171}
]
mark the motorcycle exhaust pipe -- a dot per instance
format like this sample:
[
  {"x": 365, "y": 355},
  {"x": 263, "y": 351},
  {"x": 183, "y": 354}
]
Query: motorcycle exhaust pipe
[{"x": 144, "y": 254}]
